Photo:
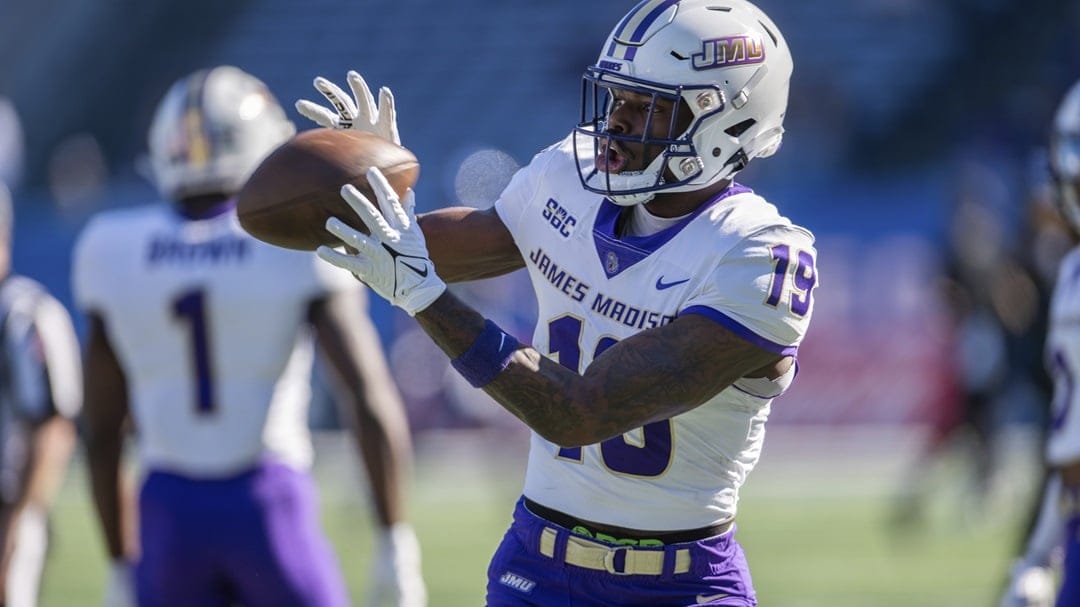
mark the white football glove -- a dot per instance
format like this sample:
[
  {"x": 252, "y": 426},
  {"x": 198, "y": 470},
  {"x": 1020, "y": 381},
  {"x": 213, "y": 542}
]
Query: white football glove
[
  {"x": 120, "y": 587},
  {"x": 1030, "y": 586},
  {"x": 395, "y": 576},
  {"x": 393, "y": 260},
  {"x": 356, "y": 112}
]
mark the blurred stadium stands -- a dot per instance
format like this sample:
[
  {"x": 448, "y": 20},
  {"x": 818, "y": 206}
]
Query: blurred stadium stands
[{"x": 890, "y": 99}]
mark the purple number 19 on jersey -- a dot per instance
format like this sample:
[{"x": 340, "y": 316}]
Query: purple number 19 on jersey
[
  {"x": 802, "y": 282},
  {"x": 648, "y": 458},
  {"x": 190, "y": 307}
]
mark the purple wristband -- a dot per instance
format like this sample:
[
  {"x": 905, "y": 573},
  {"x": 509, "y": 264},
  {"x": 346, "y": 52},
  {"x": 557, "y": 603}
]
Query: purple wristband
[{"x": 487, "y": 356}]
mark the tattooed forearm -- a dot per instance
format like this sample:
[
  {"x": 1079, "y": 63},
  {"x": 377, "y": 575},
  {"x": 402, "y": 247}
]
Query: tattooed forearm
[
  {"x": 535, "y": 389},
  {"x": 549, "y": 398},
  {"x": 637, "y": 381},
  {"x": 451, "y": 324}
]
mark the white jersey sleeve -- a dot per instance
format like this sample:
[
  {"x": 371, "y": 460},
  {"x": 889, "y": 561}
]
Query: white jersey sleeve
[
  {"x": 760, "y": 288},
  {"x": 1063, "y": 362},
  {"x": 518, "y": 196},
  {"x": 90, "y": 277}
]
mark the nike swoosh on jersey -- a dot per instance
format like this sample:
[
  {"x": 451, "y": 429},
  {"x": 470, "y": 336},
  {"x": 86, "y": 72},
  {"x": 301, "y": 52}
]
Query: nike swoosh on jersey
[
  {"x": 703, "y": 599},
  {"x": 661, "y": 285},
  {"x": 422, "y": 272}
]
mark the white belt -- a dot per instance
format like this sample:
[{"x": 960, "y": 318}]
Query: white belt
[{"x": 603, "y": 557}]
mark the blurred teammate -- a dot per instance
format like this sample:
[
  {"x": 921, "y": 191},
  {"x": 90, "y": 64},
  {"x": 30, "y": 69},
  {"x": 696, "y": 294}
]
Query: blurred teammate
[
  {"x": 987, "y": 294},
  {"x": 672, "y": 301},
  {"x": 1031, "y": 580},
  {"x": 1060, "y": 525},
  {"x": 40, "y": 393},
  {"x": 203, "y": 336}
]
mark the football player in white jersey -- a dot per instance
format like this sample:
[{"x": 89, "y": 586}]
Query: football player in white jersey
[
  {"x": 40, "y": 394},
  {"x": 1060, "y": 525},
  {"x": 203, "y": 337},
  {"x": 672, "y": 301}
]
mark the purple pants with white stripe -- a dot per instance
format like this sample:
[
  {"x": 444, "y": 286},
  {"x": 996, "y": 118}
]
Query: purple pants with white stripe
[
  {"x": 252, "y": 539},
  {"x": 519, "y": 575}
]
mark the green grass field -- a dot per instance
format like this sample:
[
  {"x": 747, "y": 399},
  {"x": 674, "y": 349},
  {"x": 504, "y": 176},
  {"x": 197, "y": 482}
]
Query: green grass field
[{"x": 812, "y": 521}]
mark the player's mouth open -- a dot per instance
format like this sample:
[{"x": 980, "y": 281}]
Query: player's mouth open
[{"x": 611, "y": 158}]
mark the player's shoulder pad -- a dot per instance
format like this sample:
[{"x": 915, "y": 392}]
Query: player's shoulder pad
[
  {"x": 115, "y": 223},
  {"x": 20, "y": 288},
  {"x": 747, "y": 214},
  {"x": 555, "y": 156}
]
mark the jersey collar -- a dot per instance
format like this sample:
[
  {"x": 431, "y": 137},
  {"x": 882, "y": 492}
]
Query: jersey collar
[
  {"x": 617, "y": 254},
  {"x": 221, "y": 208}
]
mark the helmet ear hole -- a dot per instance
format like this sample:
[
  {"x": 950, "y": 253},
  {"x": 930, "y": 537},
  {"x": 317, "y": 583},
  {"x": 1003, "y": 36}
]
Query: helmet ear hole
[{"x": 736, "y": 130}]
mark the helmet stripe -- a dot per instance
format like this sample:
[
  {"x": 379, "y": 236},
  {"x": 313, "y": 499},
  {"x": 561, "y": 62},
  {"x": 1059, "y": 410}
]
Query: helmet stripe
[
  {"x": 636, "y": 23},
  {"x": 198, "y": 143}
]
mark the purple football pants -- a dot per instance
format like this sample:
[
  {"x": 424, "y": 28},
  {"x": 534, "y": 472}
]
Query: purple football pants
[
  {"x": 1069, "y": 593},
  {"x": 520, "y": 575},
  {"x": 252, "y": 539}
]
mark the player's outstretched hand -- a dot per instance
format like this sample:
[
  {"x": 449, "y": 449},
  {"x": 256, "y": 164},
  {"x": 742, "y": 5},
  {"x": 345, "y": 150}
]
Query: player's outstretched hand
[
  {"x": 395, "y": 578},
  {"x": 120, "y": 587},
  {"x": 1030, "y": 586},
  {"x": 393, "y": 260},
  {"x": 357, "y": 111}
]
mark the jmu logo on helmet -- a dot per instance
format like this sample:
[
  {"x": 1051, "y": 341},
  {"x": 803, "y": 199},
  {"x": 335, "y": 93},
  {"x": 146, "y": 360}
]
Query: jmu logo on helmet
[{"x": 728, "y": 52}]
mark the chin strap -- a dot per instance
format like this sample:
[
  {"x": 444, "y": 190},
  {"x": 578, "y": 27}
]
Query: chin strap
[
  {"x": 737, "y": 162},
  {"x": 630, "y": 200}
]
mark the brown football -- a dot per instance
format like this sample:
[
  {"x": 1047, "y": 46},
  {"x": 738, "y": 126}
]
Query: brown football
[{"x": 292, "y": 193}]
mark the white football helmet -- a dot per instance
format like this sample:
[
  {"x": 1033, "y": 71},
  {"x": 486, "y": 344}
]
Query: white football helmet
[
  {"x": 725, "y": 60},
  {"x": 210, "y": 131},
  {"x": 1065, "y": 156}
]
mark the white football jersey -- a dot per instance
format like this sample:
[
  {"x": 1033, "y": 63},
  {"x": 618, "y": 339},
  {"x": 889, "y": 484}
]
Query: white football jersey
[
  {"x": 735, "y": 260},
  {"x": 1063, "y": 363},
  {"x": 210, "y": 326}
]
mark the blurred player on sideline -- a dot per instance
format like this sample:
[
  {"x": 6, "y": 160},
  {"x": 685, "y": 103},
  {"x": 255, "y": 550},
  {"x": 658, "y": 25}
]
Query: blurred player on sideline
[
  {"x": 1059, "y": 522},
  {"x": 672, "y": 301},
  {"x": 203, "y": 336},
  {"x": 40, "y": 393},
  {"x": 1031, "y": 580}
]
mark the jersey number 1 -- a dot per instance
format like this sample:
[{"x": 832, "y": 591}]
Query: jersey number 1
[
  {"x": 191, "y": 307},
  {"x": 648, "y": 457}
]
